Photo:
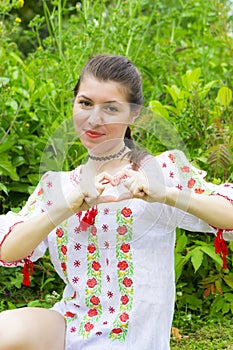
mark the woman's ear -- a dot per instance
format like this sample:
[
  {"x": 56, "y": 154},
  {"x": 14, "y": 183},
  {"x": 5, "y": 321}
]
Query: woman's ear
[{"x": 135, "y": 112}]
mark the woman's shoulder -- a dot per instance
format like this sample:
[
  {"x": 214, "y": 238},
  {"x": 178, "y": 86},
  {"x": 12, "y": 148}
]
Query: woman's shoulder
[
  {"x": 51, "y": 177},
  {"x": 167, "y": 157}
]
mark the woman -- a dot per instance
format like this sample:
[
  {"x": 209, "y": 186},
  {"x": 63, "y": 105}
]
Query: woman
[{"x": 110, "y": 228}]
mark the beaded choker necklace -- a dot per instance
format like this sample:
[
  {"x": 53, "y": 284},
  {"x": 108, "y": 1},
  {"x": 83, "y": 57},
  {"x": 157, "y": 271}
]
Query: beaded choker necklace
[{"x": 111, "y": 156}]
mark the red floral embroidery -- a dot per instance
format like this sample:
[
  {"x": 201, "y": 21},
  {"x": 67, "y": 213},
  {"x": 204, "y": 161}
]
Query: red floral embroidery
[
  {"x": 105, "y": 227},
  {"x": 185, "y": 169},
  {"x": 123, "y": 265},
  {"x": 124, "y": 317},
  {"x": 110, "y": 294},
  {"x": 191, "y": 183},
  {"x": 63, "y": 266},
  {"x": 91, "y": 282},
  {"x": 125, "y": 274},
  {"x": 95, "y": 300},
  {"x": 64, "y": 249},
  {"x": 59, "y": 232},
  {"x": 106, "y": 211},
  {"x": 77, "y": 263},
  {"x": 88, "y": 326},
  {"x": 108, "y": 278},
  {"x": 40, "y": 192},
  {"x": 96, "y": 265},
  {"x": 106, "y": 245},
  {"x": 122, "y": 230},
  {"x": 117, "y": 330},
  {"x": 172, "y": 157},
  {"x": 199, "y": 190},
  {"x": 93, "y": 230},
  {"x": 125, "y": 247},
  {"x": 91, "y": 248},
  {"x": 69, "y": 314},
  {"x": 75, "y": 279},
  {"x": 92, "y": 312},
  {"x": 124, "y": 299},
  {"x": 126, "y": 212},
  {"x": 111, "y": 310},
  {"x": 77, "y": 246},
  {"x": 127, "y": 282}
]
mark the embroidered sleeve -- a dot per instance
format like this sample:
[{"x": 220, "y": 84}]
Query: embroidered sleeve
[
  {"x": 181, "y": 174},
  {"x": 34, "y": 205}
]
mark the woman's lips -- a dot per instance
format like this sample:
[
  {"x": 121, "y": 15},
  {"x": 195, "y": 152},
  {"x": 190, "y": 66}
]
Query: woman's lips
[{"x": 93, "y": 134}]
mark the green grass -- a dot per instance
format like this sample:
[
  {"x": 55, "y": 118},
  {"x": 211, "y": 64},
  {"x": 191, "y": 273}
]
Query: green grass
[{"x": 209, "y": 336}]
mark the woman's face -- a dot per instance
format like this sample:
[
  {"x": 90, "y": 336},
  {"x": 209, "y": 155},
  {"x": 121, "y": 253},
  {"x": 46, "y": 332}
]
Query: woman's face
[{"x": 101, "y": 114}]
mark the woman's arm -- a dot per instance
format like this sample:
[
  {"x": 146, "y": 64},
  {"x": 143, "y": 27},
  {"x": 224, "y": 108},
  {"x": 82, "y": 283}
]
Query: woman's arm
[
  {"x": 214, "y": 210},
  {"x": 26, "y": 236}
]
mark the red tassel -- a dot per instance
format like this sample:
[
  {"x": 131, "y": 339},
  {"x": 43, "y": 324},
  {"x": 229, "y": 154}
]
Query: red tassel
[
  {"x": 27, "y": 271},
  {"x": 88, "y": 219},
  {"x": 221, "y": 248}
]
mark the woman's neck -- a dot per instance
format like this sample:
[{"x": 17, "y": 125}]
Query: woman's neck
[{"x": 111, "y": 161}]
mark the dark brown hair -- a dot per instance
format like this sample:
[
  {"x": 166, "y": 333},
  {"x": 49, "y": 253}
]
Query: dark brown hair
[{"x": 106, "y": 67}]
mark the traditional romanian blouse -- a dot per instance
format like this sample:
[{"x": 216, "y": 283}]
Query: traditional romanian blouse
[{"x": 119, "y": 272}]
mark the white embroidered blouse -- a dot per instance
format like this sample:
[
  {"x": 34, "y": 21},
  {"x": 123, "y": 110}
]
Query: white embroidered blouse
[{"x": 119, "y": 273}]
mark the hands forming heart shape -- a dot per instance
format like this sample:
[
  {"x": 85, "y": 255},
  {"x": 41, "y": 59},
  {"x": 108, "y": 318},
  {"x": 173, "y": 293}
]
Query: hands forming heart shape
[
  {"x": 146, "y": 184},
  {"x": 130, "y": 184}
]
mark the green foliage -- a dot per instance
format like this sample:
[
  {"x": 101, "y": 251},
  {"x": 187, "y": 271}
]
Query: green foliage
[
  {"x": 213, "y": 334},
  {"x": 183, "y": 49}
]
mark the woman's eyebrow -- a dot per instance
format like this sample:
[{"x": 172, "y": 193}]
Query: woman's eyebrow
[
  {"x": 112, "y": 101},
  {"x": 88, "y": 98},
  {"x": 84, "y": 96}
]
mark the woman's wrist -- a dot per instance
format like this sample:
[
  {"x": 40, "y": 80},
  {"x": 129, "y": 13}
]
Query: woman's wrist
[
  {"x": 177, "y": 198},
  {"x": 59, "y": 213}
]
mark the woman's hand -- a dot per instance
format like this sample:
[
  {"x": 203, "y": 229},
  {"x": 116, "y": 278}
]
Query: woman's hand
[{"x": 145, "y": 183}]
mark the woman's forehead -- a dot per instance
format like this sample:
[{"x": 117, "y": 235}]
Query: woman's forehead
[{"x": 102, "y": 91}]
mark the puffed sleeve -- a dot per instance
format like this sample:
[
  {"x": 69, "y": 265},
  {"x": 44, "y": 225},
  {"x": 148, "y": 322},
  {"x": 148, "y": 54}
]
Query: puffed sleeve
[
  {"x": 34, "y": 205},
  {"x": 179, "y": 173}
]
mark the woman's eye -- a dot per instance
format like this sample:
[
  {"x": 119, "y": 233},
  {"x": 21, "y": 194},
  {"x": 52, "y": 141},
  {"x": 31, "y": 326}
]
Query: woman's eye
[
  {"x": 84, "y": 104},
  {"x": 111, "y": 109}
]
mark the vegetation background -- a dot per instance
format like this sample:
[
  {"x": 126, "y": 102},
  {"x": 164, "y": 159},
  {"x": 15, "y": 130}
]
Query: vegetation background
[{"x": 184, "y": 50}]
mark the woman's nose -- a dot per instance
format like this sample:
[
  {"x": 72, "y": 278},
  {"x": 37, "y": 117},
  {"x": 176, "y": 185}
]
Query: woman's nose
[{"x": 95, "y": 116}]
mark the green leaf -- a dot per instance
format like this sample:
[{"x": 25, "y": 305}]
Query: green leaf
[
  {"x": 6, "y": 168},
  {"x": 13, "y": 104},
  {"x": 224, "y": 96},
  {"x": 181, "y": 243},
  {"x": 157, "y": 107},
  {"x": 3, "y": 188},
  {"x": 197, "y": 258},
  {"x": 228, "y": 280},
  {"x": 5, "y": 146},
  {"x": 225, "y": 308},
  {"x": 48, "y": 280},
  {"x": 210, "y": 251},
  {"x": 3, "y": 81},
  {"x": 191, "y": 78}
]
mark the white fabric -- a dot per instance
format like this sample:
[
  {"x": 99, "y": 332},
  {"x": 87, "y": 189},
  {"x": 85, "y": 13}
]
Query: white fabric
[{"x": 136, "y": 265}]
